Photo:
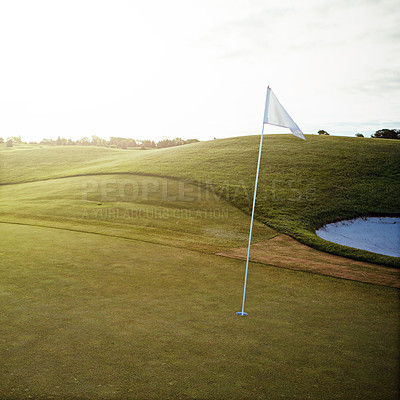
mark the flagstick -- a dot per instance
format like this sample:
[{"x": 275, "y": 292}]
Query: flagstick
[
  {"x": 242, "y": 313},
  {"x": 279, "y": 117}
]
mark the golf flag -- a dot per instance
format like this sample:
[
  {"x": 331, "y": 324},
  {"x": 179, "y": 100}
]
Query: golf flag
[{"x": 275, "y": 114}]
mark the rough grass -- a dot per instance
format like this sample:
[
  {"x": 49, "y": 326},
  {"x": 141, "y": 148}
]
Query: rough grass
[{"x": 89, "y": 316}]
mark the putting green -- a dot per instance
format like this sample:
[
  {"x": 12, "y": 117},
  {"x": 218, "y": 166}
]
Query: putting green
[{"x": 92, "y": 316}]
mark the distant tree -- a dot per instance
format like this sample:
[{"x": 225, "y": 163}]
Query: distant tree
[
  {"x": 1, "y": 140},
  {"x": 122, "y": 143},
  {"x": 189, "y": 141},
  {"x": 359, "y": 135},
  {"x": 114, "y": 141},
  {"x": 148, "y": 143},
  {"x": 9, "y": 143},
  {"x": 85, "y": 141},
  {"x": 164, "y": 143},
  {"x": 172, "y": 142},
  {"x": 15, "y": 139},
  {"x": 322, "y": 132},
  {"x": 98, "y": 141},
  {"x": 178, "y": 141},
  {"x": 387, "y": 134},
  {"x": 131, "y": 143},
  {"x": 50, "y": 142}
]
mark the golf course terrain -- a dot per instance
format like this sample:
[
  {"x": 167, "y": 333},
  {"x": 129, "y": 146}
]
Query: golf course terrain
[{"x": 121, "y": 271}]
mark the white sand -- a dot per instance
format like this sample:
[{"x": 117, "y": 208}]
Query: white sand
[{"x": 377, "y": 234}]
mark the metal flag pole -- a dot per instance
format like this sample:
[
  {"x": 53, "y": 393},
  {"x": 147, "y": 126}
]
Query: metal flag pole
[{"x": 242, "y": 313}]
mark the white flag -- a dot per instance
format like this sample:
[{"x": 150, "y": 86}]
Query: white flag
[{"x": 275, "y": 114}]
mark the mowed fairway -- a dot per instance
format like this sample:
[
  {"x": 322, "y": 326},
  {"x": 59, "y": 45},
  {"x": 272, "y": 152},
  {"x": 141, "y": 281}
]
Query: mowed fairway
[
  {"x": 90, "y": 316},
  {"x": 151, "y": 209},
  {"x": 110, "y": 286}
]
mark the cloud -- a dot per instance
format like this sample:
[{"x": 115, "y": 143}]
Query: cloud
[
  {"x": 308, "y": 25},
  {"x": 385, "y": 82}
]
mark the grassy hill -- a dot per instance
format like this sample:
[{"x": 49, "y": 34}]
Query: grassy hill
[
  {"x": 303, "y": 185},
  {"x": 110, "y": 287},
  {"x": 152, "y": 209}
]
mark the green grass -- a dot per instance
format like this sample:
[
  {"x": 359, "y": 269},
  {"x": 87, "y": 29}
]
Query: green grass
[
  {"x": 152, "y": 209},
  {"x": 90, "y": 316},
  {"x": 110, "y": 289},
  {"x": 303, "y": 184}
]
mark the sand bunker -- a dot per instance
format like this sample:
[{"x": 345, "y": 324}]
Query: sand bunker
[{"x": 377, "y": 234}]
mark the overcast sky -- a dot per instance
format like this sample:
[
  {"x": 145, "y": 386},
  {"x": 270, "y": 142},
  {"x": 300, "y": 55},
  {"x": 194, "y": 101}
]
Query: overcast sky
[{"x": 196, "y": 68}]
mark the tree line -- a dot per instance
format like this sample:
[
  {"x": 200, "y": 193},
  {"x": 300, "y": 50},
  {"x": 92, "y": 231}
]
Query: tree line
[
  {"x": 387, "y": 134},
  {"x": 379, "y": 134},
  {"x": 384, "y": 134},
  {"x": 114, "y": 142}
]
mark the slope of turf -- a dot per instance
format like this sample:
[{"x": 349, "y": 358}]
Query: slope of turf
[
  {"x": 152, "y": 209},
  {"x": 87, "y": 316},
  {"x": 303, "y": 185}
]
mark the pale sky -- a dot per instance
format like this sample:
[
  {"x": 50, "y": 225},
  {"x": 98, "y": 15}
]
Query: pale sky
[{"x": 196, "y": 68}]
